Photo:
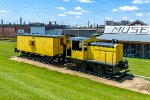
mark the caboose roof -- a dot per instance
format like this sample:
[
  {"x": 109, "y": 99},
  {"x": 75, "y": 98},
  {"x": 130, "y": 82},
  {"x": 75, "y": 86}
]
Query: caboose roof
[{"x": 53, "y": 36}]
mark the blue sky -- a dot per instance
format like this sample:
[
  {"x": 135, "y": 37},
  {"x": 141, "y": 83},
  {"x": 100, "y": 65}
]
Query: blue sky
[{"x": 74, "y": 12}]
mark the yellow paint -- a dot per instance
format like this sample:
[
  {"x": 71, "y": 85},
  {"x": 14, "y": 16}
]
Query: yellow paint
[
  {"x": 106, "y": 54},
  {"x": 83, "y": 54},
  {"x": 49, "y": 46}
]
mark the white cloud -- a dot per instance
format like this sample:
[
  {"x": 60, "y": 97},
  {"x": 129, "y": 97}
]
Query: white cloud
[
  {"x": 86, "y": 1},
  {"x": 61, "y": 8},
  {"x": 66, "y": 0},
  {"x": 115, "y": 10},
  {"x": 125, "y": 18},
  {"x": 139, "y": 14},
  {"x": 74, "y": 13},
  {"x": 108, "y": 18},
  {"x": 62, "y": 15},
  {"x": 140, "y": 1},
  {"x": 78, "y": 8},
  {"x": 128, "y": 8},
  {"x": 77, "y": 17},
  {"x": 77, "y": 11},
  {"x": 4, "y": 11}
]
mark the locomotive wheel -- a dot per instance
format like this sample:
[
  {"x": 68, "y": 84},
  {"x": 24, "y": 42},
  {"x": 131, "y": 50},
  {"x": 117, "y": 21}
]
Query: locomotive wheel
[
  {"x": 81, "y": 66},
  {"x": 90, "y": 67},
  {"x": 99, "y": 69}
]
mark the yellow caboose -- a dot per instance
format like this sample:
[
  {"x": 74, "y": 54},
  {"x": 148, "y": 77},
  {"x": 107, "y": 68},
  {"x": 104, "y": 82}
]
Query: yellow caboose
[{"x": 51, "y": 45}]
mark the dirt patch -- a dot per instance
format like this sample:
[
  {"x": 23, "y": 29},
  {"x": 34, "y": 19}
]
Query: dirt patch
[{"x": 136, "y": 84}]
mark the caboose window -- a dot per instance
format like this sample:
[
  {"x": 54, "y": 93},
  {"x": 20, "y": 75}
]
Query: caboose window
[{"x": 76, "y": 45}]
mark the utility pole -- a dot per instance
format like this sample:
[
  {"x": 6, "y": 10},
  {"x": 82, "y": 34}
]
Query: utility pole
[
  {"x": 88, "y": 24},
  {"x": 20, "y": 20},
  {"x": 62, "y": 28},
  {"x": 2, "y": 22}
]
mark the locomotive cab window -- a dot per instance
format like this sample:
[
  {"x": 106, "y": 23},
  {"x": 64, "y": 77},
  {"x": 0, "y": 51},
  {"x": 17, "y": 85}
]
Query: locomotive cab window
[{"x": 77, "y": 45}]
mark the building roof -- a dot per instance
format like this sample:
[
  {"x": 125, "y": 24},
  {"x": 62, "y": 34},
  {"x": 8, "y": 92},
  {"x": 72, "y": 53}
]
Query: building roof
[
  {"x": 137, "y": 22},
  {"x": 36, "y": 24},
  {"x": 78, "y": 39},
  {"x": 125, "y": 22},
  {"x": 126, "y": 37},
  {"x": 81, "y": 29}
]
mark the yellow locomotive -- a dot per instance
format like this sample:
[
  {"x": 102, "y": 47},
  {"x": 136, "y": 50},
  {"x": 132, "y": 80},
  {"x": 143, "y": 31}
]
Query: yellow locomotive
[{"x": 87, "y": 53}]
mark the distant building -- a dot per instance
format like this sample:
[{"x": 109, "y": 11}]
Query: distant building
[
  {"x": 22, "y": 28},
  {"x": 54, "y": 32},
  {"x": 112, "y": 23},
  {"x": 137, "y": 23},
  {"x": 55, "y": 29},
  {"x": 125, "y": 23},
  {"x": 83, "y": 32},
  {"x": 134, "y": 45},
  {"x": 11, "y": 30},
  {"x": 37, "y": 28}
]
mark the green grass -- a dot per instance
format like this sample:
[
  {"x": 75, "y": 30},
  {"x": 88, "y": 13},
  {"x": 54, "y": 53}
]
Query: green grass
[
  {"x": 22, "y": 81},
  {"x": 139, "y": 66}
]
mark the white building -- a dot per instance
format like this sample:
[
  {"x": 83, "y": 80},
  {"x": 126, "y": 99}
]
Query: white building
[
  {"x": 37, "y": 30},
  {"x": 54, "y": 32}
]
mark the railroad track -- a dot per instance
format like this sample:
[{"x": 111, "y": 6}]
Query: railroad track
[
  {"x": 120, "y": 77},
  {"x": 145, "y": 77}
]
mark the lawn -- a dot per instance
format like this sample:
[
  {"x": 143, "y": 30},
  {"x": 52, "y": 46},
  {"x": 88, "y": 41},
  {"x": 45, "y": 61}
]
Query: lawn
[
  {"x": 139, "y": 66},
  {"x": 23, "y": 81}
]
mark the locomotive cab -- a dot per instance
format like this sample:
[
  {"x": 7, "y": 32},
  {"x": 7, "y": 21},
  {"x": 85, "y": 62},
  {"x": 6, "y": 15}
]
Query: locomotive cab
[{"x": 79, "y": 47}]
